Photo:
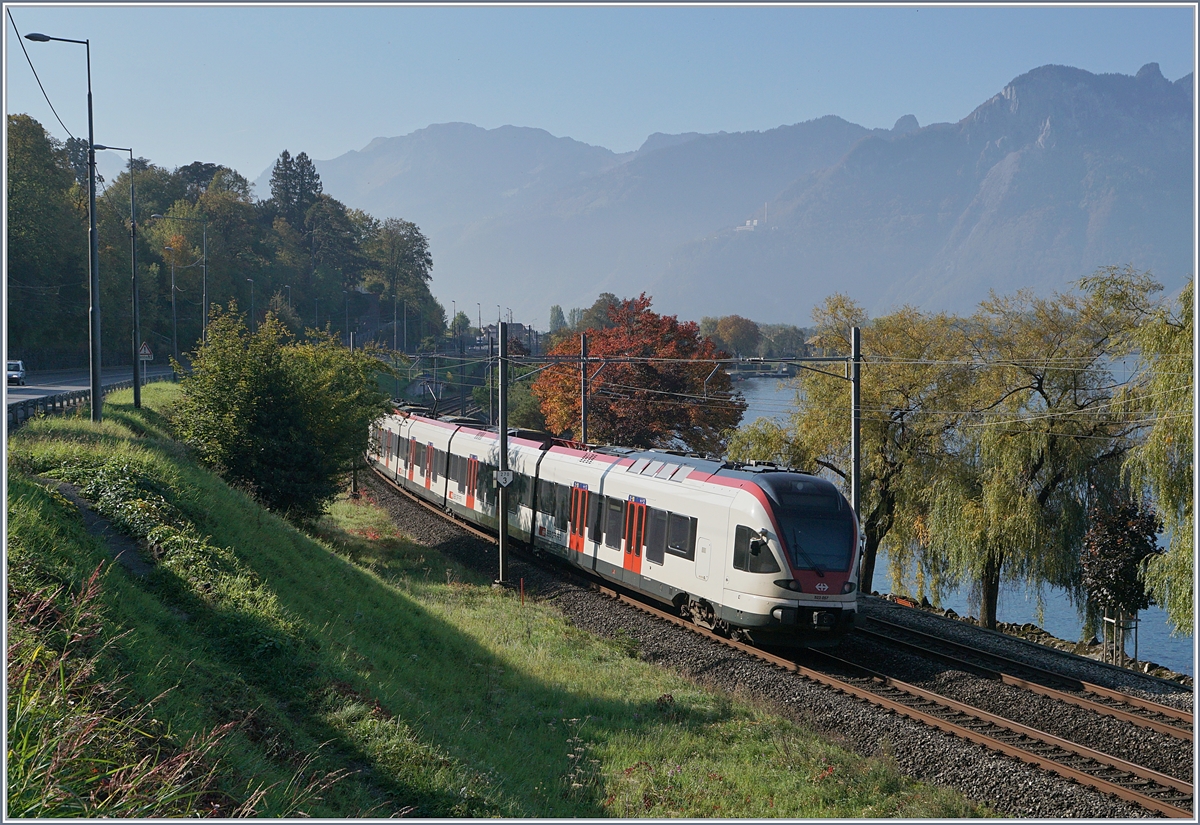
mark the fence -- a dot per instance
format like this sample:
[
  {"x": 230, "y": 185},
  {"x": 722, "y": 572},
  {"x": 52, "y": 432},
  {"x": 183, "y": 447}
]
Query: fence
[{"x": 21, "y": 411}]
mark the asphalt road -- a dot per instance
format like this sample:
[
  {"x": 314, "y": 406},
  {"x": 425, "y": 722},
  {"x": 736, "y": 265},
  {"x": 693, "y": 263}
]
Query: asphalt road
[{"x": 41, "y": 384}]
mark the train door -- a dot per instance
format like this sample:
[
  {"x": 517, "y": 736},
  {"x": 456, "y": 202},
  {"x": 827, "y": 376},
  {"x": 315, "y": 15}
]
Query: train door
[
  {"x": 472, "y": 480},
  {"x": 428, "y": 468},
  {"x": 635, "y": 533},
  {"x": 578, "y": 520},
  {"x": 412, "y": 456}
]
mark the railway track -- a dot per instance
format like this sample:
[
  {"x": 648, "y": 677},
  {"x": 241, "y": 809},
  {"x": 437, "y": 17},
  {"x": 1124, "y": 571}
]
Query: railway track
[
  {"x": 1123, "y": 780},
  {"x": 1101, "y": 700}
]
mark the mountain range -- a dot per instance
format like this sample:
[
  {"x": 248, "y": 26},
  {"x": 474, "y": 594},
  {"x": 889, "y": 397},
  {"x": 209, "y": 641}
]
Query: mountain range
[{"x": 1059, "y": 173}]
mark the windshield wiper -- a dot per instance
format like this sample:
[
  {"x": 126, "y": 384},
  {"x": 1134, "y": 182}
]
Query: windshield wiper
[{"x": 807, "y": 558}]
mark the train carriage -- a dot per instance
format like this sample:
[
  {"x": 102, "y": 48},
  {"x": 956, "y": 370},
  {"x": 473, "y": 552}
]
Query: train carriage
[{"x": 753, "y": 550}]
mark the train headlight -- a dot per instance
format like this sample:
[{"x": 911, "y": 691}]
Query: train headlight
[
  {"x": 788, "y": 584},
  {"x": 849, "y": 587}
]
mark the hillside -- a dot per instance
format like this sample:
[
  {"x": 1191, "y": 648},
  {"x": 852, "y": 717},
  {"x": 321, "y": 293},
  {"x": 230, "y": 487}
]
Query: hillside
[{"x": 245, "y": 667}]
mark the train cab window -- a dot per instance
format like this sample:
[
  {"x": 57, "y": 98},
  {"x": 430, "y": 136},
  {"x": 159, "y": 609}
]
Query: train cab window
[
  {"x": 745, "y": 542},
  {"x": 681, "y": 536},
  {"x": 656, "y": 535},
  {"x": 614, "y": 509}
]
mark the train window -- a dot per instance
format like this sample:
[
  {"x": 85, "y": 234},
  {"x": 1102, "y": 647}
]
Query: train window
[
  {"x": 437, "y": 459},
  {"x": 594, "y": 513},
  {"x": 681, "y": 536},
  {"x": 615, "y": 520},
  {"x": 745, "y": 559},
  {"x": 562, "y": 505},
  {"x": 656, "y": 535}
]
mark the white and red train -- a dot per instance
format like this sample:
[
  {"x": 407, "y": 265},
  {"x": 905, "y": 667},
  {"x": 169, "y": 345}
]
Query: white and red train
[{"x": 752, "y": 550}]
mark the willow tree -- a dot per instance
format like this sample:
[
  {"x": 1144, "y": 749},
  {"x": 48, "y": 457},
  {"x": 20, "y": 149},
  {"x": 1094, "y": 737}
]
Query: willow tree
[
  {"x": 1046, "y": 437},
  {"x": 1159, "y": 401},
  {"x": 914, "y": 386}
]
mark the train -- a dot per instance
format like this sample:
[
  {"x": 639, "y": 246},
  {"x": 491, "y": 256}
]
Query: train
[{"x": 754, "y": 551}]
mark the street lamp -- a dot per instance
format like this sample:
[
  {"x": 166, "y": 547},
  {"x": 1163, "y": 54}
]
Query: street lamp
[
  {"x": 174, "y": 319},
  {"x": 347, "y": 294},
  {"x": 137, "y": 319},
  {"x": 97, "y": 398},
  {"x": 253, "y": 319},
  {"x": 288, "y": 287},
  {"x": 203, "y": 221}
]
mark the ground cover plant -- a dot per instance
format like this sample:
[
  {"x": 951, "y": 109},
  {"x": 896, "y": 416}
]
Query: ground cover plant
[{"x": 349, "y": 671}]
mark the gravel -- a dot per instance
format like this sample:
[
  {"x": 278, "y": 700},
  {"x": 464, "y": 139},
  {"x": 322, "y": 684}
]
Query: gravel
[{"x": 1010, "y": 787}]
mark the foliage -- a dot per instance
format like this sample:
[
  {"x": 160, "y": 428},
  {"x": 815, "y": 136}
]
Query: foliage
[
  {"x": 670, "y": 395},
  {"x": 1046, "y": 434},
  {"x": 557, "y": 319},
  {"x": 1160, "y": 403},
  {"x": 1121, "y": 536},
  {"x": 339, "y": 263},
  {"x": 287, "y": 420},
  {"x": 740, "y": 333},
  {"x": 47, "y": 249}
]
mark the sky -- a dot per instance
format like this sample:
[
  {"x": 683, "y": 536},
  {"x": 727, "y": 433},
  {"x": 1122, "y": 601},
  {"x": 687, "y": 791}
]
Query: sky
[{"x": 236, "y": 85}]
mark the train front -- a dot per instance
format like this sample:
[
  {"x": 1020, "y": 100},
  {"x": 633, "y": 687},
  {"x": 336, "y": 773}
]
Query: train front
[{"x": 815, "y": 531}]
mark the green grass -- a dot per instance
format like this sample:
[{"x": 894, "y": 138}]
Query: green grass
[{"x": 365, "y": 674}]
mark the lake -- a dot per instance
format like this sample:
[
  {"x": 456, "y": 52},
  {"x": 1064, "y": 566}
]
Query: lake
[{"x": 770, "y": 398}]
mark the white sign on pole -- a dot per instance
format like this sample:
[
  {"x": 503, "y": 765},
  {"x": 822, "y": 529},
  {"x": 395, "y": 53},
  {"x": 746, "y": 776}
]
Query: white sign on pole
[
  {"x": 504, "y": 477},
  {"x": 144, "y": 353}
]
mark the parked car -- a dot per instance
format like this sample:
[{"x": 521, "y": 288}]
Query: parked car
[{"x": 16, "y": 372}]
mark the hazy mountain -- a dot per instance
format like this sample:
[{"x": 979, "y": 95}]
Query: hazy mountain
[
  {"x": 451, "y": 174},
  {"x": 1062, "y": 172}
]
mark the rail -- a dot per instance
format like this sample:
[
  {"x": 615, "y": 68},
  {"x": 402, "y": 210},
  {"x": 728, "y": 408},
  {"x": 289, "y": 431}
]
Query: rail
[{"x": 21, "y": 411}]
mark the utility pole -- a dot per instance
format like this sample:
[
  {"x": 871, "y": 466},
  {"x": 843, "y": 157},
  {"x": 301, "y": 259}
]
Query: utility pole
[
  {"x": 491, "y": 418},
  {"x": 583, "y": 387},
  {"x": 855, "y": 419},
  {"x": 502, "y": 489}
]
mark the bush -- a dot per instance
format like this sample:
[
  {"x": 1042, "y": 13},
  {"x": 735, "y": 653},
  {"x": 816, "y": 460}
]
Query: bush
[{"x": 284, "y": 419}]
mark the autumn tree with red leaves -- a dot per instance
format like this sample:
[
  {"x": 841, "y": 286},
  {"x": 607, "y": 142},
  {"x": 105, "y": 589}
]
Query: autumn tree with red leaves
[{"x": 673, "y": 402}]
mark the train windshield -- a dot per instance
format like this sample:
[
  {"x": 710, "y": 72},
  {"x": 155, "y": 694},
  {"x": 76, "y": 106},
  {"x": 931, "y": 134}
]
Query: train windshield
[
  {"x": 817, "y": 543},
  {"x": 818, "y": 533}
]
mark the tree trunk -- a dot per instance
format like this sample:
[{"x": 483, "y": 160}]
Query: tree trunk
[
  {"x": 990, "y": 590},
  {"x": 867, "y": 565}
]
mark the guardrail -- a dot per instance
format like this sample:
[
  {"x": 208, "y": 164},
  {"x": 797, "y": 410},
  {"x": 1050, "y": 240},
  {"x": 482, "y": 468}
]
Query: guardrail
[{"x": 21, "y": 411}]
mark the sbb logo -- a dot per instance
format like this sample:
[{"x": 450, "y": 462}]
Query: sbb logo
[{"x": 822, "y": 586}]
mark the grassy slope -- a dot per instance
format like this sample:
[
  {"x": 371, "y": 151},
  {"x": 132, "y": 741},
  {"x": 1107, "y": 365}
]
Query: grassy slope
[{"x": 356, "y": 650}]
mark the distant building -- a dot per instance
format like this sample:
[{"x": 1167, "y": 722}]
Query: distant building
[{"x": 749, "y": 227}]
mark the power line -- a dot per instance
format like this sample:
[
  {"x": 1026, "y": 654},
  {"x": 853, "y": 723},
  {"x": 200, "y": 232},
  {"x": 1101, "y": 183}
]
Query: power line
[{"x": 21, "y": 40}]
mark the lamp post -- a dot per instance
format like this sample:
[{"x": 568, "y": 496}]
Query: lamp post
[
  {"x": 97, "y": 398},
  {"x": 203, "y": 221},
  {"x": 174, "y": 319},
  {"x": 137, "y": 318},
  {"x": 288, "y": 287},
  {"x": 347, "y": 294},
  {"x": 253, "y": 319}
]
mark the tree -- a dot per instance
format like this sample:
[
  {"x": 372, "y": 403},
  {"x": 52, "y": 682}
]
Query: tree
[
  {"x": 295, "y": 187},
  {"x": 599, "y": 314},
  {"x": 913, "y": 387},
  {"x": 1119, "y": 540},
  {"x": 557, "y": 319},
  {"x": 284, "y": 420},
  {"x": 460, "y": 325},
  {"x": 1047, "y": 436},
  {"x": 740, "y": 333},
  {"x": 670, "y": 396},
  {"x": 47, "y": 250},
  {"x": 1160, "y": 402}
]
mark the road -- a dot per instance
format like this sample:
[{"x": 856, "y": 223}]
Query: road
[{"x": 42, "y": 384}]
